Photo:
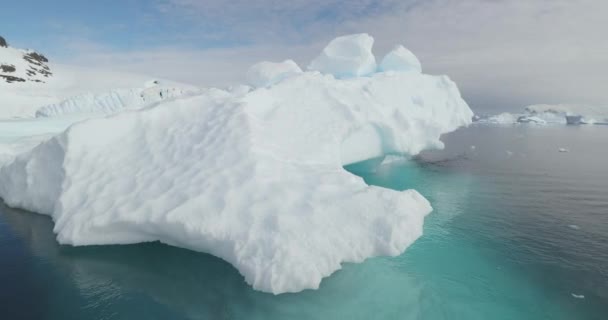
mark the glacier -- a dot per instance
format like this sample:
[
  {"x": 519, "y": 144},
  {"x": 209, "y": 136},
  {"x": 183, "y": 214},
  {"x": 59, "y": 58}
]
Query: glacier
[
  {"x": 115, "y": 100},
  {"x": 252, "y": 176}
]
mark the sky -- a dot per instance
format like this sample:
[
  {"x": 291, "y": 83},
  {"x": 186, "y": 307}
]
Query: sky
[{"x": 503, "y": 54}]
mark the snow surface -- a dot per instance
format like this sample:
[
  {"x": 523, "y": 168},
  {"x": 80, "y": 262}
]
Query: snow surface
[
  {"x": 10, "y": 56},
  {"x": 267, "y": 73},
  {"x": 400, "y": 59},
  {"x": 254, "y": 177},
  {"x": 347, "y": 56}
]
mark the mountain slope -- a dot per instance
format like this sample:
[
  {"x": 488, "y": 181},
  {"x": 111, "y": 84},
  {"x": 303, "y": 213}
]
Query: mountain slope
[
  {"x": 19, "y": 65},
  {"x": 30, "y": 85}
]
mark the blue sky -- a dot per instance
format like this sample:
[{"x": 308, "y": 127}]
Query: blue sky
[
  {"x": 502, "y": 53},
  {"x": 122, "y": 24},
  {"x": 138, "y": 24}
]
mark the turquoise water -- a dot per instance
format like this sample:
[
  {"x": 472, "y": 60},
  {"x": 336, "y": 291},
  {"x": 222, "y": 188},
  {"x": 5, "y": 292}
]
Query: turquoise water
[{"x": 517, "y": 229}]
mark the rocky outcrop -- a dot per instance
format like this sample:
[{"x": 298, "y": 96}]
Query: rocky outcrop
[
  {"x": 35, "y": 58},
  {"x": 11, "y": 79},
  {"x": 37, "y": 63},
  {"x": 7, "y": 68},
  {"x": 3, "y": 43}
]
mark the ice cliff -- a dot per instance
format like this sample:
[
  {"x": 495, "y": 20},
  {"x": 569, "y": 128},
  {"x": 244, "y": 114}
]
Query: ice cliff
[
  {"x": 115, "y": 100},
  {"x": 254, "y": 177}
]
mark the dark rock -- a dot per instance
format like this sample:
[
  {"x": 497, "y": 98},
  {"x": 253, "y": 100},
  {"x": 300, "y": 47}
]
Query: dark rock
[
  {"x": 35, "y": 58},
  {"x": 36, "y": 68},
  {"x": 7, "y": 68},
  {"x": 11, "y": 79}
]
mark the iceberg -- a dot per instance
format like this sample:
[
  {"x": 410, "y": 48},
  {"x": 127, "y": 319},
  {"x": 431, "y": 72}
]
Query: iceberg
[
  {"x": 571, "y": 114},
  {"x": 400, "y": 59},
  {"x": 267, "y": 73},
  {"x": 504, "y": 118},
  {"x": 531, "y": 119},
  {"x": 551, "y": 114},
  {"x": 347, "y": 56},
  {"x": 254, "y": 177}
]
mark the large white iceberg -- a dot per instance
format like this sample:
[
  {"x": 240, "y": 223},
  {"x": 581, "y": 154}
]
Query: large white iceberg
[{"x": 255, "y": 178}]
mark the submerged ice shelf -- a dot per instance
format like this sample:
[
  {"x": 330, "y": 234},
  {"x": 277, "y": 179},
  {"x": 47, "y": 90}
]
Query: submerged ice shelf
[{"x": 254, "y": 177}]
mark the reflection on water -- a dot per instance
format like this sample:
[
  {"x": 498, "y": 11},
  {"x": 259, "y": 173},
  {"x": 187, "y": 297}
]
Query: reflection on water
[
  {"x": 512, "y": 236},
  {"x": 191, "y": 285},
  {"x": 168, "y": 282}
]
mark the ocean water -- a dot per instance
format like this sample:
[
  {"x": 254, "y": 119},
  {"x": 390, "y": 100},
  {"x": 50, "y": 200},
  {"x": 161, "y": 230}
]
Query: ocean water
[{"x": 519, "y": 231}]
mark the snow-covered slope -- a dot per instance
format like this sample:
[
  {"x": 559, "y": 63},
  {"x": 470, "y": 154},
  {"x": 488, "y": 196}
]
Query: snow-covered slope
[
  {"x": 253, "y": 177},
  {"x": 80, "y": 89},
  {"x": 18, "y": 65},
  {"x": 70, "y": 89}
]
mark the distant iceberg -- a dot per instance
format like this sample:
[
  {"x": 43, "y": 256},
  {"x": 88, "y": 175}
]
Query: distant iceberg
[
  {"x": 551, "y": 114},
  {"x": 502, "y": 118},
  {"x": 588, "y": 114},
  {"x": 253, "y": 176}
]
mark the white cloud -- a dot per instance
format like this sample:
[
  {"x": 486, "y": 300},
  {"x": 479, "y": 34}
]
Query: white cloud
[
  {"x": 503, "y": 54},
  {"x": 269, "y": 20},
  {"x": 208, "y": 67}
]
